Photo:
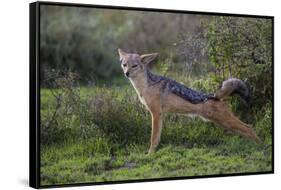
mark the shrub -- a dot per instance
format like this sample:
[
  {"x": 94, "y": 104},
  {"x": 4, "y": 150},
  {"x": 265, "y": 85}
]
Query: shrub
[{"x": 242, "y": 48}]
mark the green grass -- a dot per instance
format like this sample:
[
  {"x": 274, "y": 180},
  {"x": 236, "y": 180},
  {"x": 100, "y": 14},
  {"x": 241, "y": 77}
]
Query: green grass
[
  {"x": 81, "y": 162},
  {"x": 105, "y": 135}
]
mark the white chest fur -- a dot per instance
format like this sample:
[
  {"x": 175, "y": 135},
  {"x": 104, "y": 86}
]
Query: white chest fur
[{"x": 140, "y": 85}]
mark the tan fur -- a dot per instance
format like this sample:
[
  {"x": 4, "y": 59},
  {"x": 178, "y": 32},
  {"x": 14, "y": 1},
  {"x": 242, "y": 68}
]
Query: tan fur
[{"x": 159, "y": 101}]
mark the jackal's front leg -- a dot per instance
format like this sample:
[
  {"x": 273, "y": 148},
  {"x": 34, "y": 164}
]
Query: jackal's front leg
[{"x": 156, "y": 131}]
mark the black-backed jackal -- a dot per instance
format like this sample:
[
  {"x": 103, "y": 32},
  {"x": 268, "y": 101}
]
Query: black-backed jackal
[{"x": 160, "y": 95}]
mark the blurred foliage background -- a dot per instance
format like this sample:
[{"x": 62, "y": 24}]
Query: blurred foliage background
[{"x": 85, "y": 41}]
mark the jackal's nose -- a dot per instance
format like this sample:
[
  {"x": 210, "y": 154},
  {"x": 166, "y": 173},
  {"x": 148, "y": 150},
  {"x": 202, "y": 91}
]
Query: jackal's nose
[{"x": 127, "y": 74}]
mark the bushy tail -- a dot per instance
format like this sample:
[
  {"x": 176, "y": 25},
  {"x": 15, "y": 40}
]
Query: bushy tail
[{"x": 234, "y": 86}]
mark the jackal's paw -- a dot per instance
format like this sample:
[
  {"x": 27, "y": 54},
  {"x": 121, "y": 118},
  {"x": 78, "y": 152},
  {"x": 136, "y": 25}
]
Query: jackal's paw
[{"x": 150, "y": 151}]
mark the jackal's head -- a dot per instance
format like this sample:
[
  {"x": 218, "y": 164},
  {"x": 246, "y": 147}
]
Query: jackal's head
[{"x": 134, "y": 64}]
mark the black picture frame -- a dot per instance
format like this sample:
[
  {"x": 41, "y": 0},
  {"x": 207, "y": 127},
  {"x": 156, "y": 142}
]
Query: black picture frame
[{"x": 34, "y": 98}]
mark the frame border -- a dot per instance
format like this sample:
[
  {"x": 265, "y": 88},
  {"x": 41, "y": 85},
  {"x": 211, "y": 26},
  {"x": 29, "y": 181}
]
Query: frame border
[
  {"x": 34, "y": 96},
  {"x": 34, "y": 93}
]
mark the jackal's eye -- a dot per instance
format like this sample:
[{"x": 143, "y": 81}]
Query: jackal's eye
[{"x": 134, "y": 66}]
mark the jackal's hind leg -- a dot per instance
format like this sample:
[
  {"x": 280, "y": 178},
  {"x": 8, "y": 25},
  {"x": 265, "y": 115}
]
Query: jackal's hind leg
[{"x": 219, "y": 113}]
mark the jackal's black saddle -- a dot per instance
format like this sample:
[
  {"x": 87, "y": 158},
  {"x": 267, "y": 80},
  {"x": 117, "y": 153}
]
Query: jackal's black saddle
[{"x": 180, "y": 90}]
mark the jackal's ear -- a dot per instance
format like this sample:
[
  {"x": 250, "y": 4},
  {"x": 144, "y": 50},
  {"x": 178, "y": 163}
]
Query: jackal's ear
[
  {"x": 122, "y": 53},
  {"x": 147, "y": 58}
]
